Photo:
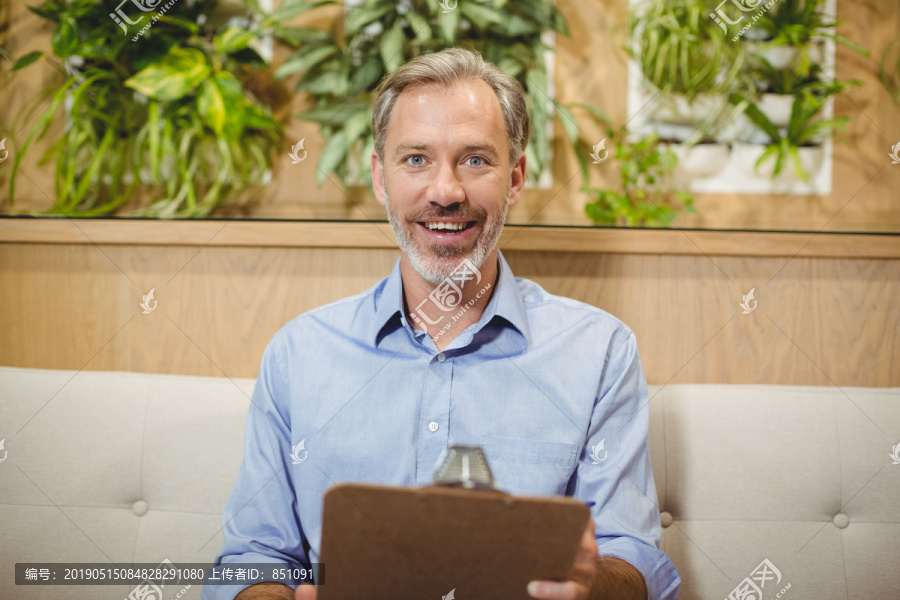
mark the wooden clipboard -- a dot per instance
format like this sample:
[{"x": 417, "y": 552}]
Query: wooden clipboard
[{"x": 392, "y": 543}]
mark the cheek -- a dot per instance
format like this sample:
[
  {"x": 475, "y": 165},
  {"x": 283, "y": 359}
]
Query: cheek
[{"x": 487, "y": 195}]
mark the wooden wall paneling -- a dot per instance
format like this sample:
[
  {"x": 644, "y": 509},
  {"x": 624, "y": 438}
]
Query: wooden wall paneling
[
  {"x": 317, "y": 234},
  {"x": 819, "y": 321}
]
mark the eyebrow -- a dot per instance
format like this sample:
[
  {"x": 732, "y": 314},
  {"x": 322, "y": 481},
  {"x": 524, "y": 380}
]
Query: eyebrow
[{"x": 484, "y": 148}]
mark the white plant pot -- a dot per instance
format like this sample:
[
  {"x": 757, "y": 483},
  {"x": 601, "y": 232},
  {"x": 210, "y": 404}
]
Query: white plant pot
[
  {"x": 668, "y": 131},
  {"x": 777, "y": 108},
  {"x": 780, "y": 57},
  {"x": 676, "y": 109},
  {"x": 754, "y": 34},
  {"x": 787, "y": 57},
  {"x": 742, "y": 130},
  {"x": 702, "y": 160},
  {"x": 746, "y": 155},
  {"x": 815, "y": 50}
]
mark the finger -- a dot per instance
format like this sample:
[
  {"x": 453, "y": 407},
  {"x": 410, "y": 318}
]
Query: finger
[
  {"x": 583, "y": 573},
  {"x": 588, "y": 551},
  {"x": 305, "y": 592},
  {"x": 558, "y": 590}
]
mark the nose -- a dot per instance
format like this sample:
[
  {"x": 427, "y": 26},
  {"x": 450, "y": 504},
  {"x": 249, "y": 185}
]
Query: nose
[{"x": 446, "y": 188}]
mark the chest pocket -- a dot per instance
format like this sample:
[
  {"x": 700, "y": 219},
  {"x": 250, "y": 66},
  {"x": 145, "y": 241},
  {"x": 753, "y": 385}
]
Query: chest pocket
[{"x": 530, "y": 467}]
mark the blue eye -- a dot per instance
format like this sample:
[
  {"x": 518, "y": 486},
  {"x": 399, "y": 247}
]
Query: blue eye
[
  {"x": 416, "y": 156},
  {"x": 478, "y": 158}
]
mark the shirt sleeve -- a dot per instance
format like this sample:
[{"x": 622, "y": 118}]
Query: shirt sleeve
[
  {"x": 616, "y": 474},
  {"x": 260, "y": 522}
]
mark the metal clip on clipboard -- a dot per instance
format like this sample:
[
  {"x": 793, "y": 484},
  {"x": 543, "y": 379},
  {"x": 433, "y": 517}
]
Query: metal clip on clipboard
[{"x": 465, "y": 467}]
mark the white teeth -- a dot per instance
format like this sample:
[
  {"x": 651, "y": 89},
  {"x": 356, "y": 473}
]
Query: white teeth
[{"x": 433, "y": 225}]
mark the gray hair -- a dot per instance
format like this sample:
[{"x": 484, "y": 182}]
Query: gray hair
[{"x": 448, "y": 68}]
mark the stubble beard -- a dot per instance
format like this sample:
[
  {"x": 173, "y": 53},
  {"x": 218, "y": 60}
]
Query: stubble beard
[{"x": 434, "y": 264}]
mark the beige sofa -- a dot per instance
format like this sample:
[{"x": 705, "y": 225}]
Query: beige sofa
[{"x": 130, "y": 467}]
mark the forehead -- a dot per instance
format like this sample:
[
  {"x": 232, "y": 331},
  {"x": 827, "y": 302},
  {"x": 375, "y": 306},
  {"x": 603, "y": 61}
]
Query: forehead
[{"x": 467, "y": 112}]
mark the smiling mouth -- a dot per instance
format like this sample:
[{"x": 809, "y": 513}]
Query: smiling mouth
[{"x": 444, "y": 227}]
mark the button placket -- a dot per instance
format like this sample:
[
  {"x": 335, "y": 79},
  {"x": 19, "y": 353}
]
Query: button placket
[{"x": 435, "y": 415}]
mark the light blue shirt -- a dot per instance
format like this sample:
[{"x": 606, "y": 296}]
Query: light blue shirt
[{"x": 539, "y": 382}]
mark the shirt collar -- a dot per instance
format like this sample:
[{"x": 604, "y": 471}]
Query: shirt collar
[{"x": 506, "y": 303}]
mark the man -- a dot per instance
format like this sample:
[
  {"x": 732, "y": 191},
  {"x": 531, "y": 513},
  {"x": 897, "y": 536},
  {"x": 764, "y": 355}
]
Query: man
[{"x": 451, "y": 349}]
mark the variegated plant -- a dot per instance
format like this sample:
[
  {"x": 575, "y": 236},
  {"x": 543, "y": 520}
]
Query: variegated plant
[{"x": 170, "y": 111}]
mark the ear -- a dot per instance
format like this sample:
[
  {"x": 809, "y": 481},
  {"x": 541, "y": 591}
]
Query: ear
[
  {"x": 377, "y": 174},
  {"x": 518, "y": 181}
]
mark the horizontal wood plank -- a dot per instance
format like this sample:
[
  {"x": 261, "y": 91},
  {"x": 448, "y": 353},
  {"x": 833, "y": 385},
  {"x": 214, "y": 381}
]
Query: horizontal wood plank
[{"x": 321, "y": 234}]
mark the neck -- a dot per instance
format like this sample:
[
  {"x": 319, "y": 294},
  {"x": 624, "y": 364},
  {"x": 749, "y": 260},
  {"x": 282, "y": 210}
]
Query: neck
[{"x": 439, "y": 309}]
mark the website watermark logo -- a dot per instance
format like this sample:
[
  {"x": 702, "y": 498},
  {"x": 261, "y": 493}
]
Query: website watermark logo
[
  {"x": 745, "y": 302},
  {"x": 146, "y": 6},
  {"x": 121, "y": 18},
  {"x": 149, "y": 590},
  {"x": 598, "y": 452},
  {"x": 147, "y": 299},
  {"x": 895, "y": 453},
  {"x": 751, "y": 588},
  {"x": 3, "y": 450},
  {"x": 447, "y": 297},
  {"x": 596, "y": 153},
  {"x": 745, "y": 6},
  {"x": 449, "y": 596},
  {"x": 895, "y": 153},
  {"x": 6, "y": 152},
  {"x": 295, "y": 452},
  {"x": 449, "y": 7},
  {"x": 293, "y": 153}
]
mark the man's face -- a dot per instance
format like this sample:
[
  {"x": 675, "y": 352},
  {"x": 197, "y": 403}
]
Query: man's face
[{"x": 446, "y": 156}]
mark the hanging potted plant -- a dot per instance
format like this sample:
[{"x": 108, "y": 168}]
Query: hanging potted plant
[
  {"x": 684, "y": 58},
  {"x": 169, "y": 105},
  {"x": 794, "y": 34},
  {"x": 799, "y": 145},
  {"x": 778, "y": 88},
  {"x": 688, "y": 69}
]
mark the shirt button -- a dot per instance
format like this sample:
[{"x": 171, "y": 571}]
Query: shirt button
[
  {"x": 442, "y": 357},
  {"x": 433, "y": 426}
]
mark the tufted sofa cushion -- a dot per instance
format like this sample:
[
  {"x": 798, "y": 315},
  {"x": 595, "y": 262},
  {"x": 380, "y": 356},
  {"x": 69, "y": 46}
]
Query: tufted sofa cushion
[
  {"x": 133, "y": 467},
  {"x": 801, "y": 476},
  {"x": 124, "y": 467}
]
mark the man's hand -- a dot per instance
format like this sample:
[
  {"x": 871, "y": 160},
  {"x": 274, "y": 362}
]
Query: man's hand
[
  {"x": 305, "y": 592},
  {"x": 614, "y": 578},
  {"x": 267, "y": 590},
  {"x": 577, "y": 588},
  {"x": 581, "y": 578},
  {"x": 277, "y": 591}
]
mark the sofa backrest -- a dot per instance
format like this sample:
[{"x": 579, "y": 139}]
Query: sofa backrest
[
  {"x": 132, "y": 467},
  {"x": 799, "y": 476}
]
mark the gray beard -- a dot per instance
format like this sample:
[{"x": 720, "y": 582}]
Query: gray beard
[{"x": 423, "y": 261}]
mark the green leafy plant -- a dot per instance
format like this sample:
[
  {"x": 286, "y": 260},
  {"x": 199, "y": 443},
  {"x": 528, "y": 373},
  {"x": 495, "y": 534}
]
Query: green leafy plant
[
  {"x": 806, "y": 126},
  {"x": 341, "y": 72},
  {"x": 172, "y": 108},
  {"x": 646, "y": 195},
  {"x": 797, "y": 22},
  {"x": 814, "y": 82},
  {"x": 681, "y": 51}
]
